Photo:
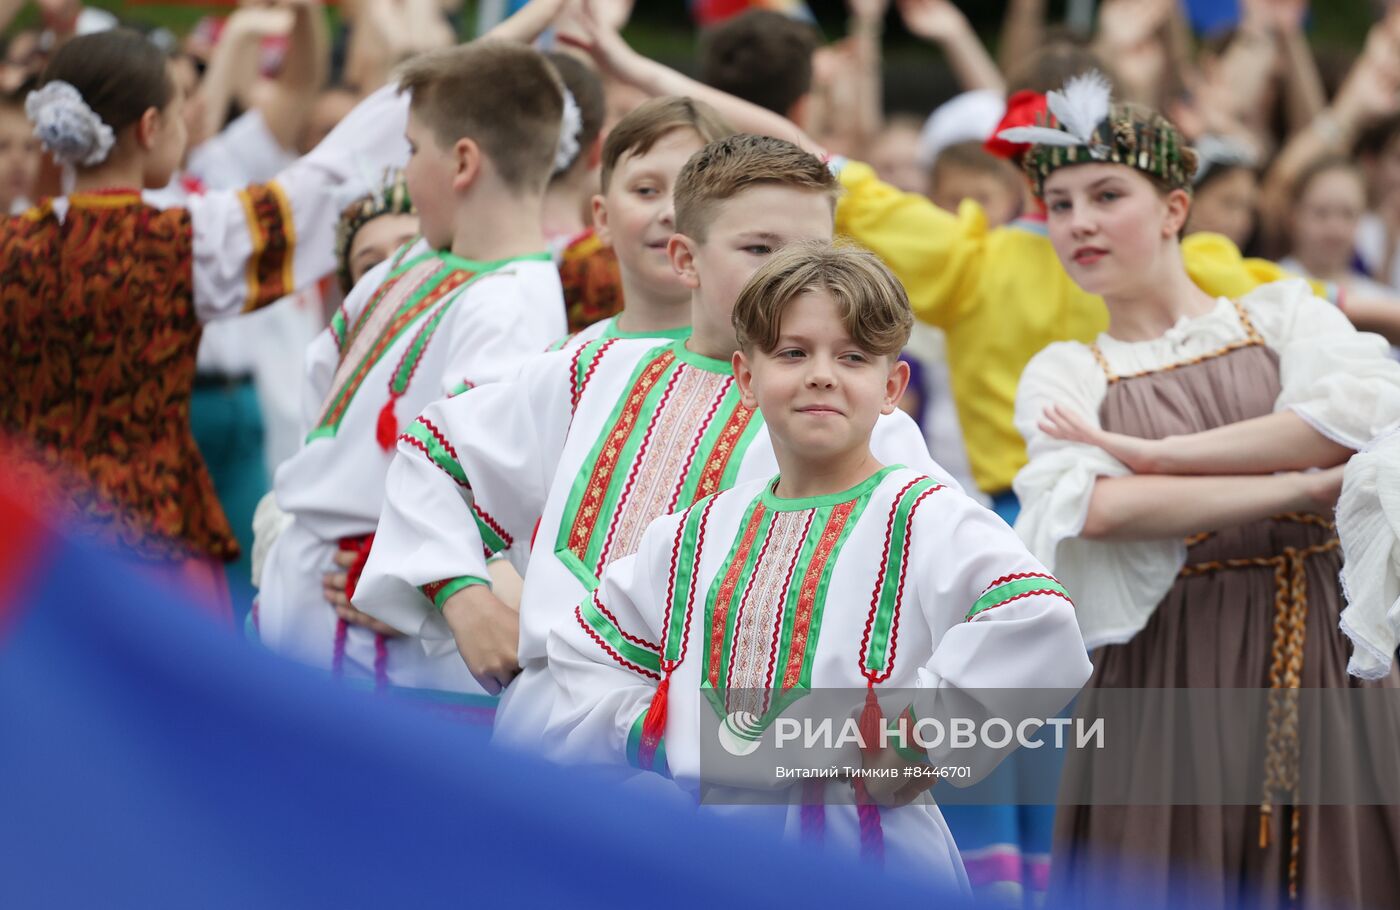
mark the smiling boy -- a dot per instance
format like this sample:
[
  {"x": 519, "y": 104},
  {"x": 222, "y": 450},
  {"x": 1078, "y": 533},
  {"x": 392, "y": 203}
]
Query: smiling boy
[{"x": 789, "y": 584}]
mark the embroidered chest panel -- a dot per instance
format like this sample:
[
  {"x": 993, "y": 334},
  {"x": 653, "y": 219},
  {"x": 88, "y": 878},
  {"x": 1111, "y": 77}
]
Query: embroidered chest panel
[
  {"x": 676, "y": 435},
  {"x": 763, "y": 611},
  {"x": 395, "y": 308}
]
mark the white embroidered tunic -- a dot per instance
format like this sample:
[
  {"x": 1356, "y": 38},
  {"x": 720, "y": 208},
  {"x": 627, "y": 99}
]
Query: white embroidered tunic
[
  {"x": 565, "y": 466},
  {"x": 413, "y": 329},
  {"x": 747, "y": 602}
]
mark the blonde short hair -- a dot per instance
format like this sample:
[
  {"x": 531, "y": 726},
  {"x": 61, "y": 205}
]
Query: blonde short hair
[
  {"x": 725, "y": 168},
  {"x": 504, "y": 96},
  {"x": 873, "y": 304}
]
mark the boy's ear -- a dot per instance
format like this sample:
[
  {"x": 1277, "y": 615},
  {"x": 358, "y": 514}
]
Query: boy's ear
[
  {"x": 895, "y": 384},
  {"x": 467, "y": 163},
  {"x": 680, "y": 249},
  {"x": 743, "y": 376},
  {"x": 600, "y": 220}
]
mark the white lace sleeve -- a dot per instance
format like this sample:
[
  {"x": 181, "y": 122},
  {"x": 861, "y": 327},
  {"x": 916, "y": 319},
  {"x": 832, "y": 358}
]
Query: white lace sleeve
[
  {"x": 1341, "y": 381},
  {"x": 1368, "y": 522},
  {"x": 1115, "y": 584}
]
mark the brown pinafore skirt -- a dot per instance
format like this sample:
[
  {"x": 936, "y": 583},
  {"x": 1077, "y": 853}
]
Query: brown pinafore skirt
[{"x": 1255, "y": 607}]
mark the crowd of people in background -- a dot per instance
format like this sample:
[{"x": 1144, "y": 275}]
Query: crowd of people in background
[{"x": 412, "y": 354}]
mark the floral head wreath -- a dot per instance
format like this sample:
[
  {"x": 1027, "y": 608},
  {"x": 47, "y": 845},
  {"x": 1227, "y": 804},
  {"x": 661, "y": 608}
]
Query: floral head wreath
[
  {"x": 64, "y": 124},
  {"x": 569, "y": 130},
  {"x": 1084, "y": 126},
  {"x": 390, "y": 199}
]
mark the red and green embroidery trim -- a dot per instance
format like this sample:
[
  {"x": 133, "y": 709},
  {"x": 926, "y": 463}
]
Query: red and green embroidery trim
[
  {"x": 721, "y": 606},
  {"x": 434, "y": 288},
  {"x": 1015, "y": 587},
  {"x": 880, "y": 640},
  {"x": 599, "y": 490},
  {"x": 802, "y": 616},
  {"x": 589, "y": 503},
  {"x": 585, "y": 362},
  {"x": 439, "y": 591},
  {"x": 424, "y": 435},
  {"x": 629, "y": 651}
]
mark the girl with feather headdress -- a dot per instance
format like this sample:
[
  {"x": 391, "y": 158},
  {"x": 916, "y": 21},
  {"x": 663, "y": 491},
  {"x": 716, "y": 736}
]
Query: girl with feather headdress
[{"x": 1171, "y": 486}]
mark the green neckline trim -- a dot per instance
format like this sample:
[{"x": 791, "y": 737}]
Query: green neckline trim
[
  {"x": 676, "y": 334},
  {"x": 475, "y": 265},
  {"x": 700, "y": 361},
  {"x": 777, "y": 503}
]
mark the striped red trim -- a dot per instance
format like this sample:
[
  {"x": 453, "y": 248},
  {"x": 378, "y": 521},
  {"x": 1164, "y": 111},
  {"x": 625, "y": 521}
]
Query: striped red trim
[
  {"x": 1023, "y": 594},
  {"x": 493, "y": 525},
  {"x": 880, "y": 576},
  {"x": 744, "y": 600},
  {"x": 636, "y": 468},
  {"x": 598, "y": 602},
  {"x": 726, "y": 593},
  {"x": 578, "y": 614},
  {"x": 1017, "y": 576},
  {"x": 807, "y": 594},
  {"x": 899, "y": 591},
  {"x": 695, "y": 447},
  {"x": 418, "y": 444}
]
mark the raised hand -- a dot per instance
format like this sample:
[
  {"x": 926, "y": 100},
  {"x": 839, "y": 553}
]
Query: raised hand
[
  {"x": 868, "y": 10},
  {"x": 933, "y": 20}
]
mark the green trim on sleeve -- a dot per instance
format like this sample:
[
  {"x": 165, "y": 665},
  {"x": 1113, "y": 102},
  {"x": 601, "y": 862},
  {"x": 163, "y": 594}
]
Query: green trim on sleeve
[{"x": 439, "y": 591}]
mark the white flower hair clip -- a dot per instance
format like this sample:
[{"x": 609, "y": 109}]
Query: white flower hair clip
[
  {"x": 1080, "y": 107},
  {"x": 66, "y": 126},
  {"x": 570, "y": 127}
]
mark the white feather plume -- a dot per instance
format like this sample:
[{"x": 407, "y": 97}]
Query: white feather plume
[
  {"x": 1082, "y": 104},
  {"x": 1038, "y": 135}
]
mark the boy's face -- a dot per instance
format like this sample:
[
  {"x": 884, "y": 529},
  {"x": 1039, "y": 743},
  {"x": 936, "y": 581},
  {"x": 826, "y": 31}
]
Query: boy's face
[
  {"x": 636, "y": 216},
  {"x": 1000, "y": 199},
  {"x": 745, "y": 231},
  {"x": 819, "y": 392},
  {"x": 19, "y": 158},
  {"x": 431, "y": 176}
]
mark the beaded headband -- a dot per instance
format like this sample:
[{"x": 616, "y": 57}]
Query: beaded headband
[
  {"x": 390, "y": 199},
  {"x": 1084, "y": 127}
]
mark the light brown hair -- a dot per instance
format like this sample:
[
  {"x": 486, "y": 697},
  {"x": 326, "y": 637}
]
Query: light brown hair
[
  {"x": 725, "y": 168},
  {"x": 504, "y": 96},
  {"x": 972, "y": 156},
  {"x": 873, "y": 304},
  {"x": 654, "y": 120}
]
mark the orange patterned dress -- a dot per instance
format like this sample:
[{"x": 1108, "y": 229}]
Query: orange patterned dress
[
  {"x": 592, "y": 282},
  {"x": 100, "y": 324}
]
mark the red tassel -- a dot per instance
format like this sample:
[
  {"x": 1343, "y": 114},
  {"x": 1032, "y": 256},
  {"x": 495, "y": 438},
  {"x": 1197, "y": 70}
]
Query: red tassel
[
  {"x": 870, "y": 722},
  {"x": 387, "y": 429},
  {"x": 654, "y": 726}
]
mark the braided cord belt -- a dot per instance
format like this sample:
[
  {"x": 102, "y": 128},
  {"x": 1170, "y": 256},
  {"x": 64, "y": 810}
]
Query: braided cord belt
[{"x": 1281, "y": 758}]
